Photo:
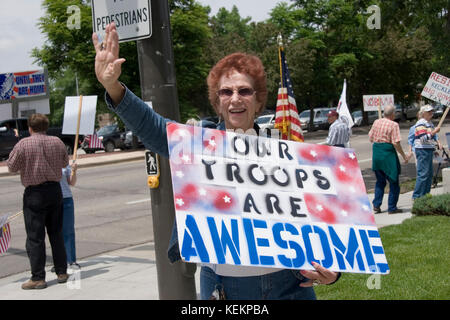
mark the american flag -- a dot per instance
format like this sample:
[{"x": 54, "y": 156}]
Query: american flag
[
  {"x": 286, "y": 118},
  {"x": 94, "y": 142},
  {"x": 5, "y": 237}
]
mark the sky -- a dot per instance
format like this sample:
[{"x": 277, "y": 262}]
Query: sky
[{"x": 20, "y": 34}]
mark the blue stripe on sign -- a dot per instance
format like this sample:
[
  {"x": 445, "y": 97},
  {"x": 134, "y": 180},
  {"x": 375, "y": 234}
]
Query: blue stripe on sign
[
  {"x": 383, "y": 267},
  {"x": 377, "y": 250},
  {"x": 373, "y": 234},
  {"x": 262, "y": 242}
]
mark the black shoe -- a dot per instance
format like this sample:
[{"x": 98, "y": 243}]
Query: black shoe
[
  {"x": 395, "y": 211},
  {"x": 376, "y": 210}
]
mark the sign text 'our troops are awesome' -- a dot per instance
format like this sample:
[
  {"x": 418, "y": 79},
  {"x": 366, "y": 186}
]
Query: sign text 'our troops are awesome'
[{"x": 253, "y": 201}]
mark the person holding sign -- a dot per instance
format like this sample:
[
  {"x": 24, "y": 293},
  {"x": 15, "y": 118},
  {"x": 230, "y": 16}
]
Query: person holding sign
[
  {"x": 238, "y": 93},
  {"x": 69, "y": 178},
  {"x": 425, "y": 138},
  {"x": 385, "y": 136}
]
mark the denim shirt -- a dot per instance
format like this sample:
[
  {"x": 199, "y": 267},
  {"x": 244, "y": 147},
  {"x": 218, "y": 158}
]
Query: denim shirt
[{"x": 150, "y": 127}]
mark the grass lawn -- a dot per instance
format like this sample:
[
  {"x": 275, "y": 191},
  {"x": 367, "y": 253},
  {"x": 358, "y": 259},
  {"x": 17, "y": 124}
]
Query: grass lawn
[{"x": 418, "y": 255}]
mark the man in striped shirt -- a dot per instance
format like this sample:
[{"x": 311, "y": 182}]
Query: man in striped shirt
[
  {"x": 339, "y": 132},
  {"x": 40, "y": 159},
  {"x": 385, "y": 136}
]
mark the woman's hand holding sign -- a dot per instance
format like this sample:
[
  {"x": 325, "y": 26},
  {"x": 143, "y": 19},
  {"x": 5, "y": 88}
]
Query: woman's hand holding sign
[
  {"x": 108, "y": 64},
  {"x": 320, "y": 276}
]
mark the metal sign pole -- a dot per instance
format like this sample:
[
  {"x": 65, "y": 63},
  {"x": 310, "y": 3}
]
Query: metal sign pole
[{"x": 158, "y": 85}]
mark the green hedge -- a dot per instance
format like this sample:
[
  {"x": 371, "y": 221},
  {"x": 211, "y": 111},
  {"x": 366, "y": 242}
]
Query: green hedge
[{"x": 432, "y": 205}]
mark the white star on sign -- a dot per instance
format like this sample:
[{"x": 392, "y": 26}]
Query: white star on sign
[
  {"x": 202, "y": 192},
  {"x": 313, "y": 153},
  {"x": 319, "y": 207},
  {"x": 366, "y": 207},
  {"x": 227, "y": 199},
  {"x": 342, "y": 168},
  {"x": 344, "y": 213},
  {"x": 179, "y": 202},
  {"x": 351, "y": 155},
  {"x": 179, "y": 174},
  {"x": 212, "y": 142},
  {"x": 186, "y": 158}
]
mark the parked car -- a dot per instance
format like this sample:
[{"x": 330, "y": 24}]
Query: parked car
[
  {"x": 13, "y": 130},
  {"x": 128, "y": 142},
  {"x": 110, "y": 136},
  {"x": 398, "y": 113},
  {"x": 438, "y": 111},
  {"x": 266, "y": 122},
  {"x": 358, "y": 117},
  {"x": 320, "y": 119},
  {"x": 410, "y": 111}
]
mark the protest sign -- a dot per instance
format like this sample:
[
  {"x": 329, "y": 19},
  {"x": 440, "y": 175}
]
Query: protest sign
[
  {"x": 87, "y": 120},
  {"x": 20, "y": 85},
  {"x": 371, "y": 102},
  {"x": 252, "y": 201},
  {"x": 437, "y": 89}
]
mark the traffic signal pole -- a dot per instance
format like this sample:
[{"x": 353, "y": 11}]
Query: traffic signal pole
[{"x": 158, "y": 85}]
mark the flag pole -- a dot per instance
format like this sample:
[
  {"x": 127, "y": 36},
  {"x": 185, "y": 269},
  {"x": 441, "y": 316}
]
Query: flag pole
[
  {"x": 443, "y": 116},
  {"x": 285, "y": 126},
  {"x": 75, "y": 148},
  {"x": 379, "y": 107}
]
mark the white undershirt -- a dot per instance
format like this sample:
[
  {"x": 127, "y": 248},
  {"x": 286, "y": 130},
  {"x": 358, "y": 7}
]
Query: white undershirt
[{"x": 239, "y": 271}]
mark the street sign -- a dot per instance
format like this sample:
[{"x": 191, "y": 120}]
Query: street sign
[
  {"x": 133, "y": 18},
  {"x": 437, "y": 89}
]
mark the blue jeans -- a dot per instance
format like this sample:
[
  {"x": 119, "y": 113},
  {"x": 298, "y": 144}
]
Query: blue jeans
[
  {"x": 394, "y": 191},
  {"x": 281, "y": 285},
  {"x": 424, "y": 169},
  {"x": 69, "y": 230}
]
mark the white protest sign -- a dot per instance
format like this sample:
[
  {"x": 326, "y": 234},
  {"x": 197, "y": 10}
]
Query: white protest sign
[
  {"x": 133, "y": 18},
  {"x": 437, "y": 89},
  {"x": 371, "y": 102},
  {"x": 87, "y": 120},
  {"x": 252, "y": 201}
]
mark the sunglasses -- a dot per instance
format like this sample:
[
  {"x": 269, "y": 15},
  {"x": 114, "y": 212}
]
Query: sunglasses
[{"x": 226, "y": 93}]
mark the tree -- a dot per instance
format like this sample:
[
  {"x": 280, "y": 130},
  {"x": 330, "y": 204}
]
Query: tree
[
  {"x": 67, "y": 51},
  {"x": 191, "y": 34}
]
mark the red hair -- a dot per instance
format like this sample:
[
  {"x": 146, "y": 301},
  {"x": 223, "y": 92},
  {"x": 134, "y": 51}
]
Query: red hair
[{"x": 243, "y": 63}]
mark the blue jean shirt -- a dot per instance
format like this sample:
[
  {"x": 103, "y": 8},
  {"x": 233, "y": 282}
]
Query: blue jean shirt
[{"x": 150, "y": 127}]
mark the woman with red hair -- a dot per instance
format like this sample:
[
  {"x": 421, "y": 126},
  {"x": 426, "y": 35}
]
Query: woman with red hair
[{"x": 238, "y": 93}]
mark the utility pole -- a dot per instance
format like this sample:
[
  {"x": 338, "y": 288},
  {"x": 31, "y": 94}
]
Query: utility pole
[{"x": 158, "y": 85}]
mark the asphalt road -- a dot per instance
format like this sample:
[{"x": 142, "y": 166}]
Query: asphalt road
[
  {"x": 112, "y": 203},
  {"x": 112, "y": 210}
]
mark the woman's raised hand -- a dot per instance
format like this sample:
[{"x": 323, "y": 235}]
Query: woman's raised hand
[{"x": 107, "y": 61}]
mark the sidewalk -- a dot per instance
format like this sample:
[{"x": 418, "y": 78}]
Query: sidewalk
[{"x": 130, "y": 273}]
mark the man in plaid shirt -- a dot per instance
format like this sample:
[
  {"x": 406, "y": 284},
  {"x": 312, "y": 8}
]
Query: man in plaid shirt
[
  {"x": 40, "y": 159},
  {"x": 385, "y": 136}
]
